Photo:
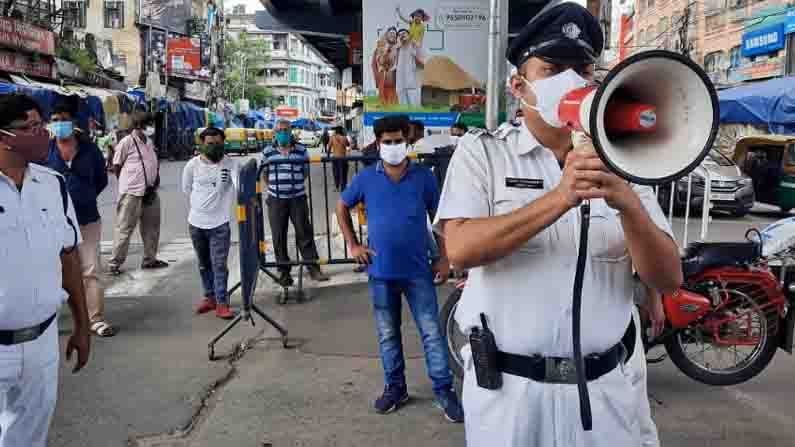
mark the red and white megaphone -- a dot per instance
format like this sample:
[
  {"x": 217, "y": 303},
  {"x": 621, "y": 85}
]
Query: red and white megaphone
[{"x": 652, "y": 120}]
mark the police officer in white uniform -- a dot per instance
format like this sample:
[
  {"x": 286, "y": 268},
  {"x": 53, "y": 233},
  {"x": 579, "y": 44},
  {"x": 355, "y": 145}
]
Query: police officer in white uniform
[
  {"x": 509, "y": 212},
  {"x": 36, "y": 275}
]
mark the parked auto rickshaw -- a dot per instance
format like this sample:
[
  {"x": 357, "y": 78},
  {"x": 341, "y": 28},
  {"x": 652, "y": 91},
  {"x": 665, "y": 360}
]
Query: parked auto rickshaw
[
  {"x": 260, "y": 139},
  {"x": 770, "y": 162},
  {"x": 236, "y": 140},
  {"x": 251, "y": 139},
  {"x": 268, "y": 136}
]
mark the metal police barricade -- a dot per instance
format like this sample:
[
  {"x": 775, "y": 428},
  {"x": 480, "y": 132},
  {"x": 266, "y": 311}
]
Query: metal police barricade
[
  {"x": 334, "y": 255},
  {"x": 253, "y": 244},
  {"x": 252, "y": 248}
]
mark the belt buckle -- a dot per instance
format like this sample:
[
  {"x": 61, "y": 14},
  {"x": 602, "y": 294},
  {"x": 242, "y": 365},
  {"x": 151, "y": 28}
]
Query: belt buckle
[
  {"x": 25, "y": 335},
  {"x": 558, "y": 370}
]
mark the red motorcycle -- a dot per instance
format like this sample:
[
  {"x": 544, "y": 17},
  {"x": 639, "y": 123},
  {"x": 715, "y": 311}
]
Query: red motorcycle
[{"x": 723, "y": 326}]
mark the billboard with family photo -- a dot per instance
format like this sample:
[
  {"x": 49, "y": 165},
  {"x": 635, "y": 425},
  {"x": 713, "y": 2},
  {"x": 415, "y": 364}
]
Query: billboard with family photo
[{"x": 426, "y": 58}]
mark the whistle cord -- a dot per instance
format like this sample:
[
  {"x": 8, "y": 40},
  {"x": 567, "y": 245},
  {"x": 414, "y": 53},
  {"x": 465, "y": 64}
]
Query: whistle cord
[{"x": 576, "y": 317}]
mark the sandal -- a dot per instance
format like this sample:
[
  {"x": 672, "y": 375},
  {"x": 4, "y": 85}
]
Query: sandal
[
  {"x": 156, "y": 264},
  {"x": 103, "y": 329}
]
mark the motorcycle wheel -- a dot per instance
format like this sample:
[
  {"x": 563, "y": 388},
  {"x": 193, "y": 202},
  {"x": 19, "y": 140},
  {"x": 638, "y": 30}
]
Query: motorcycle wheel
[
  {"x": 680, "y": 346},
  {"x": 455, "y": 339}
]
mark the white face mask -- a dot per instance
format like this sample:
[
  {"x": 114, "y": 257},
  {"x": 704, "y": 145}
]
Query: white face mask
[
  {"x": 394, "y": 154},
  {"x": 550, "y": 91},
  {"x": 149, "y": 131},
  {"x": 454, "y": 140}
]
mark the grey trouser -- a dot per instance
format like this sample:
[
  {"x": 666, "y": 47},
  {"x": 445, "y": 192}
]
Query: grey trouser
[{"x": 129, "y": 211}]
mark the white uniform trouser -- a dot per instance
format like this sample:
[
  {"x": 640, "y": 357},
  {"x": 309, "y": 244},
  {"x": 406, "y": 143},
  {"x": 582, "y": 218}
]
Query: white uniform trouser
[
  {"x": 524, "y": 413},
  {"x": 637, "y": 366},
  {"x": 28, "y": 389}
]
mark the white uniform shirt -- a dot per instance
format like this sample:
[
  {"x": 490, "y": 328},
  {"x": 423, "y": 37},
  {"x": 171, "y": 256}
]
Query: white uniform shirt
[
  {"x": 33, "y": 231},
  {"x": 210, "y": 198},
  {"x": 527, "y": 296}
]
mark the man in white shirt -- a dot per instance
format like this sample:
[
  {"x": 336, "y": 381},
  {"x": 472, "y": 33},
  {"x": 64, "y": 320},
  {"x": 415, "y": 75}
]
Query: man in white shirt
[
  {"x": 210, "y": 181},
  {"x": 39, "y": 270},
  {"x": 409, "y": 61}
]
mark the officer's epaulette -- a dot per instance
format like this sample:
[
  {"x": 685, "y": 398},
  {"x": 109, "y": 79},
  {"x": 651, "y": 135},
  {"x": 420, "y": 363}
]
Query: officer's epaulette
[{"x": 478, "y": 131}]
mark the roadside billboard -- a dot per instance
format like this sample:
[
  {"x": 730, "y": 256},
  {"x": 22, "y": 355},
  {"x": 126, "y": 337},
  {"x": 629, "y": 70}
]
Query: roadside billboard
[
  {"x": 185, "y": 58},
  {"x": 170, "y": 14},
  {"x": 426, "y": 58}
]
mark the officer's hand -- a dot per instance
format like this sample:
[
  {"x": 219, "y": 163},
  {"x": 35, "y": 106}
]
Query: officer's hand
[
  {"x": 594, "y": 181},
  {"x": 81, "y": 342},
  {"x": 569, "y": 185},
  {"x": 361, "y": 253},
  {"x": 441, "y": 270},
  {"x": 656, "y": 315}
]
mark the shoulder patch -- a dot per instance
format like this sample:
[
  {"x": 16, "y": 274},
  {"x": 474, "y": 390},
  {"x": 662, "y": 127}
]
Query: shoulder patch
[
  {"x": 504, "y": 130},
  {"x": 478, "y": 131}
]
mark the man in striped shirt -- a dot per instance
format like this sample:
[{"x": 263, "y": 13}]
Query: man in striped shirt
[{"x": 286, "y": 167}]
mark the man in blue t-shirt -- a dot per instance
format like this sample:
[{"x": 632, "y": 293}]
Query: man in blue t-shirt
[{"x": 398, "y": 195}]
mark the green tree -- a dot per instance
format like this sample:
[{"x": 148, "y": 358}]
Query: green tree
[{"x": 245, "y": 55}]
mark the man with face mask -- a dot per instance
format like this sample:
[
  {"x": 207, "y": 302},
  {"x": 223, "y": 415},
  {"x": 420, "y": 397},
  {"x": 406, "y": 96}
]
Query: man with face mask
[
  {"x": 285, "y": 171},
  {"x": 80, "y": 161},
  {"x": 398, "y": 196},
  {"x": 136, "y": 166},
  {"x": 509, "y": 213},
  {"x": 39, "y": 269},
  {"x": 210, "y": 180}
]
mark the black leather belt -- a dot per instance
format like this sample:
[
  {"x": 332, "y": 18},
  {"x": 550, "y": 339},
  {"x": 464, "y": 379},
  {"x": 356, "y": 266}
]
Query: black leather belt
[
  {"x": 559, "y": 369},
  {"x": 25, "y": 335}
]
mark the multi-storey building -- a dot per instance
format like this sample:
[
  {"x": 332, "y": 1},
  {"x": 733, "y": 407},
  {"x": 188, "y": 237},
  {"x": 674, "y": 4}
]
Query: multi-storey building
[
  {"x": 297, "y": 75},
  {"x": 734, "y": 40}
]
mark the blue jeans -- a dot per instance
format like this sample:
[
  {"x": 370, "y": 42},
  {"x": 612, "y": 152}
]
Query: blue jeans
[
  {"x": 421, "y": 296},
  {"x": 212, "y": 250}
]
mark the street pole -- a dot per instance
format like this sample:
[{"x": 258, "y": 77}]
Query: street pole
[{"x": 498, "y": 38}]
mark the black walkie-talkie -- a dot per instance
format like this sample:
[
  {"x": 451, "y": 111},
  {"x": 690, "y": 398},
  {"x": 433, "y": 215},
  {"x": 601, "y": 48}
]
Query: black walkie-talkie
[{"x": 484, "y": 355}]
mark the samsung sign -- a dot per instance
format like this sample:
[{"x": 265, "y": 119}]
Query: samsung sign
[{"x": 763, "y": 41}]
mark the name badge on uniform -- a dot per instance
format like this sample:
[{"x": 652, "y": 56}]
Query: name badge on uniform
[{"x": 524, "y": 183}]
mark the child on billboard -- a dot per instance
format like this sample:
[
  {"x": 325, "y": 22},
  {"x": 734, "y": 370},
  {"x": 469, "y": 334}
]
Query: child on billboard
[{"x": 416, "y": 23}]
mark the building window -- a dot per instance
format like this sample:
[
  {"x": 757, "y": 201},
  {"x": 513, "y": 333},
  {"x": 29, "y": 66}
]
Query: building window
[
  {"x": 293, "y": 74},
  {"x": 114, "y": 14},
  {"x": 715, "y": 23},
  {"x": 293, "y": 101},
  {"x": 736, "y": 58},
  {"x": 713, "y": 61},
  {"x": 75, "y": 13}
]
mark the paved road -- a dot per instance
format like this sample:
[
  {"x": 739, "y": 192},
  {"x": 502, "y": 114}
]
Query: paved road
[{"x": 152, "y": 384}]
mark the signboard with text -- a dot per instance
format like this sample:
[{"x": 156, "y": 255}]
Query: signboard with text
[
  {"x": 23, "y": 63},
  {"x": 170, "y": 14},
  {"x": 24, "y": 36},
  {"x": 425, "y": 58},
  {"x": 185, "y": 59},
  {"x": 763, "y": 41}
]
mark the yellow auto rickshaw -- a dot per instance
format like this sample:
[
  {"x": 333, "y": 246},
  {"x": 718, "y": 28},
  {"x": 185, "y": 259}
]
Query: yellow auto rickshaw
[
  {"x": 236, "y": 140},
  {"x": 260, "y": 139},
  {"x": 770, "y": 162},
  {"x": 251, "y": 140},
  {"x": 268, "y": 136}
]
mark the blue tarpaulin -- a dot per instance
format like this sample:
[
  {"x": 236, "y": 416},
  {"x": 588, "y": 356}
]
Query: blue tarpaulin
[{"x": 770, "y": 103}]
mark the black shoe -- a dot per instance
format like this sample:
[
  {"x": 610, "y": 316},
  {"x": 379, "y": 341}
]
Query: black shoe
[
  {"x": 392, "y": 398},
  {"x": 285, "y": 279},
  {"x": 448, "y": 402}
]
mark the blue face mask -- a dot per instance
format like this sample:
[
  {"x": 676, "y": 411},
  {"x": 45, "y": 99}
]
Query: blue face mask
[
  {"x": 62, "y": 129},
  {"x": 283, "y": 137}
]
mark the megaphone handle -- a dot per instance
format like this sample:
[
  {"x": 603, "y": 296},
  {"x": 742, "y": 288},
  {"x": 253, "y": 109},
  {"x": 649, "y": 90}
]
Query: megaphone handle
[{"x": 576, "y": 317}]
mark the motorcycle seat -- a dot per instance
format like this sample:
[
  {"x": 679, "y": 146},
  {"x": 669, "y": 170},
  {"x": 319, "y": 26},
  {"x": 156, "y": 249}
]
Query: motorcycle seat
[{"x": 700, "y": 256}]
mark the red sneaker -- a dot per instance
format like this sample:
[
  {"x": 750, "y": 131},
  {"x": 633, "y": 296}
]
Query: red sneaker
[
  {"x": 223, "y": 311},
  {"x": 206, "y": 305}
]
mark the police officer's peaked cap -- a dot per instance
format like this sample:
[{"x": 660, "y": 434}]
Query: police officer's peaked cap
[{"x": 561, "y": 33}]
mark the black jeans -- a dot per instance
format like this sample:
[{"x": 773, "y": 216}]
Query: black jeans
[
  {"x": 340, "y": 168},
  {"x": 280, "y": 212}
]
